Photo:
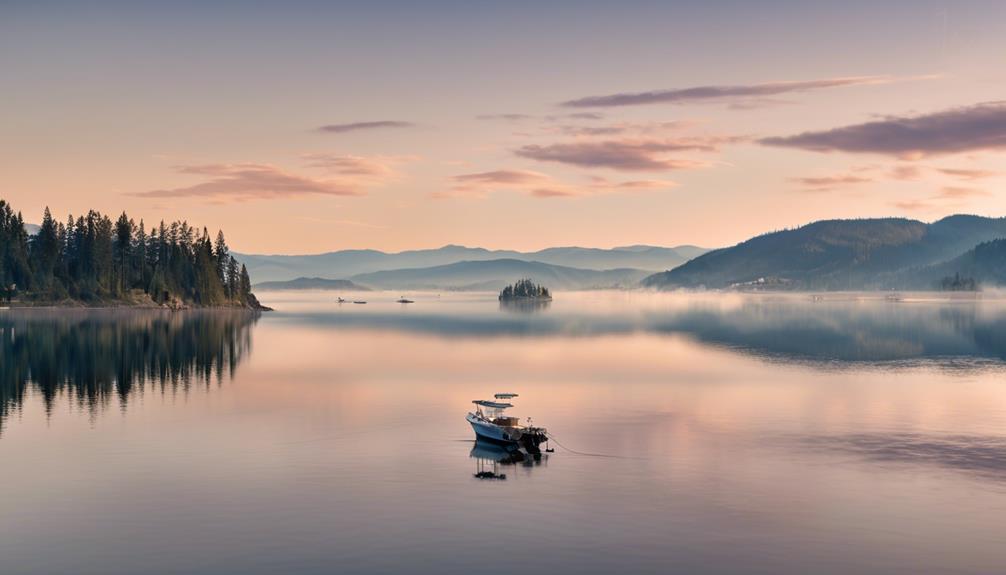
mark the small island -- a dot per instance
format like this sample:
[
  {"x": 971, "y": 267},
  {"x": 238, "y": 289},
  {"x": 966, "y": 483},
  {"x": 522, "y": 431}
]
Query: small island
[
  {"x": 525, "y": 290},
  {"x": 92, "y": 260}
]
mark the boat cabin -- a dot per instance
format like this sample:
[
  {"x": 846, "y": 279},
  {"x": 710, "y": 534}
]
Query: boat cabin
[{"x": 493, "y": 410}]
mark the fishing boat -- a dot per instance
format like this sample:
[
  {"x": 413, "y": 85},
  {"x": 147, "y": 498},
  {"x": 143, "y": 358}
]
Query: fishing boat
[
  {"x": 404, "y": 300},
  {"x": 359, "y": 302},
  {"x": 490, "y": 423}
]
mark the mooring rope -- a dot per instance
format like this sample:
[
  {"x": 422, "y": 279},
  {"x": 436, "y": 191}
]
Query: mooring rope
[{"x": 575, "y": 452}]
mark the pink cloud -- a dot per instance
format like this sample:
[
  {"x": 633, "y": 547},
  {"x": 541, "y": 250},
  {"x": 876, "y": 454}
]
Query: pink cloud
[
  {"x": 250, "y": 181},
  {"x": 538, "y": 185},
  {"x": 829, "y": 183},
  {"x": 955, "y": 192},
  {"x": 730, "y": 94},
  {"x": 968, "y": 174},
  {"x": 981, "y": 127},
  {"x": 625, "y": 154}
]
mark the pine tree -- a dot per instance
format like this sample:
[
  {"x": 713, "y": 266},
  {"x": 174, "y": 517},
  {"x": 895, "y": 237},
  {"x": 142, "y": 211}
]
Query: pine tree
[
  {"x": 245, "y": 286},
  {"x": 123, "y": 246},
  {"x": 140, "y": 254},
  {"x": 233, "y": 279},
  {"x": 46, "y": 252},
  {"x": 220, "y": 253}
]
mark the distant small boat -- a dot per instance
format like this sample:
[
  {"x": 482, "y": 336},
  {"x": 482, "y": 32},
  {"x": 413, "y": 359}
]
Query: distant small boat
[
  {"x": 403, "y": 300},
  {"x": 359, "y": 302},
  {"x": 340, "y": 300}
]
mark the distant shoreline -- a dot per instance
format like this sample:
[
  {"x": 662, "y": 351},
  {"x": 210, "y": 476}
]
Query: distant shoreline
[
  {"x": 14, "y": 306},
  {"x": 110, "y": 306}
]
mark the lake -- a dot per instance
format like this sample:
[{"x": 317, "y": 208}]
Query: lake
[{"x": 699, "y": 433}]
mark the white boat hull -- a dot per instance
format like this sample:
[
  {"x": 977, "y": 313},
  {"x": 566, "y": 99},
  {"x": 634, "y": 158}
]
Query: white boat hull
[{"x": 489, "y": 431}]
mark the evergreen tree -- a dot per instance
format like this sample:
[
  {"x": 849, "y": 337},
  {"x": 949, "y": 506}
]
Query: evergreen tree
[
  {"x": 123, "y": 252},
  {"x": 245, "y": 285},
  {"x": 233, "y": 278},
  {"x": 139, "y": 262},
  {"x": 46, "y": 253},
  {"x": 221, "y": 253}
]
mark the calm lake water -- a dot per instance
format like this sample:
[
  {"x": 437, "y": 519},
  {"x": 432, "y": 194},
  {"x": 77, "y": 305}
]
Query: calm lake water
[{"x": 712, "y": 434}]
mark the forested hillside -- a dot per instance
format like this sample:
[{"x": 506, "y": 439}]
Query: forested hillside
[
  {"x": 836, "y": 255},
  {"x": 93, "y": 260},
  {"x": 981, "y": 267}
]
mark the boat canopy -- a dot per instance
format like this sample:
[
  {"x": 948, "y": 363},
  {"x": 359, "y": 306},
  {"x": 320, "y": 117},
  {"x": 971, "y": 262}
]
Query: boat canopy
[
  {"x": 506, "y": 395},
  {"x": 492, "y": 404}
]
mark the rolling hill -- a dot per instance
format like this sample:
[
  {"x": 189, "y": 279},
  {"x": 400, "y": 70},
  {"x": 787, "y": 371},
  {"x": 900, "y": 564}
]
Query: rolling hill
[
  {"x": 304, "y": 283},
  {"x": 835, "y": 254},
  {"x": 347, "y": 263},
  {"x": 495, "y": 274}
]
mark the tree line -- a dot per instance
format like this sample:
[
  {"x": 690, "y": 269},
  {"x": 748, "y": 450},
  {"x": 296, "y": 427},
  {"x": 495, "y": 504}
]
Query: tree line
[{"x": 93, "y": 259}]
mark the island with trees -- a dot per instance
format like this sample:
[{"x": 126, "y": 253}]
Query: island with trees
[
  {"x": 94, "y": 261},
  {"x": 525, "y": 290}
]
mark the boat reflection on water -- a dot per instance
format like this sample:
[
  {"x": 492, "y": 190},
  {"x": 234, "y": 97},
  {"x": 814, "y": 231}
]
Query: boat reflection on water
[{"x": 489, "y": 458}]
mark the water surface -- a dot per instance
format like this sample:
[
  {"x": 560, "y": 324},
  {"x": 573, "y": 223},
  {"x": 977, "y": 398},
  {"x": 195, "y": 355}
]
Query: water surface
[{"x": 715, "y": 434}]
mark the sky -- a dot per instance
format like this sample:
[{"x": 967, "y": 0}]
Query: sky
[{"x": 305, "y": 127}]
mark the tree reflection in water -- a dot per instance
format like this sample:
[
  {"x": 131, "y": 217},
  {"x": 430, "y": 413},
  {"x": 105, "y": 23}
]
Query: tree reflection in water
[{"x": 91, "y": 357}]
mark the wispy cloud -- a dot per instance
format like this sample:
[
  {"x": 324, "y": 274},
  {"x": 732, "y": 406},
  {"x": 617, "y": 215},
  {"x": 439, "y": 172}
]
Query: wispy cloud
[
  {"x": 946, "y": 197},
  {"x": 829, "y": 183},
  {"x": 480, "y": 184},
  {"x": 500, "y": 177},
  {"x": 914, "y": 205},
  {"x": 505, "y": 117},
  {"x": 555, "y": 192},
  {"x": 905, "y": 173},
  {"x": 968, "y": 174},
  {"x": 350, "y": 165},
  {"x": 628, "y": 185},
  {"x": 957, "y": 192},
  {"x": 730, "y": 93},
  {"x": 625, "y": 154},
  {"x": 577, "y": 116},
  {"x": 975, "y": 128},
  {"x": 638, "y": 128},
  {"x": 590, "y": 116},
  {"x": 538, "y": 185},
  {"x": 897, "y": 172},
  {"x": 248, "y": 181},
  {"x": 358, "y": 126}
]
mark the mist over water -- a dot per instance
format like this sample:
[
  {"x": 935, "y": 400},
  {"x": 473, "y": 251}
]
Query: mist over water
[{"x": 699, "y": 433}]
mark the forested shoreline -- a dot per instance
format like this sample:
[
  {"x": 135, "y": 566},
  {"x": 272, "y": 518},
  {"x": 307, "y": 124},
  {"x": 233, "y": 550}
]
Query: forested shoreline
[{"x": 91, "y": 260}]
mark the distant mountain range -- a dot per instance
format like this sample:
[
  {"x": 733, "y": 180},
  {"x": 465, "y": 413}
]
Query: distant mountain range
[
  {"x": 849, "y": 254},
  {"x": 349, "y": 263},
  {"x": 863, "y": 254},
  {"x": 495, "y": 274},
  {"x": 311, "y": 284}
]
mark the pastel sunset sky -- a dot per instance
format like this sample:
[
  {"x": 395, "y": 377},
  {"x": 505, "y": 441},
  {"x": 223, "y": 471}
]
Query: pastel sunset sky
[{"x": 302, "y": 127}]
